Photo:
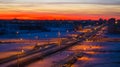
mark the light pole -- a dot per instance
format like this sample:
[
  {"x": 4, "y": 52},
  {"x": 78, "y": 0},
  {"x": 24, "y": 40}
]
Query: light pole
[
  {"x": 22, "y": 51},
  {"x": 36, "y": 37},
  {"x": 67, "y": 31},
  {"x": 21, "y": 39},
  {"x": 47, "y": 38},
  {"x": 17, "y": 34},
  {"x": 18, "y": 63},
  {"x": 59, "y": 34}
]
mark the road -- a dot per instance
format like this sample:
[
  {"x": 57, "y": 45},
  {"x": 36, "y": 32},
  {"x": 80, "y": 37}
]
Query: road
[
  {"x": 107, "y": 54},
  {"x": 23, "y": 61},
  {"x": 60, "y": 58},
  {"x": 26, "y": 54}
]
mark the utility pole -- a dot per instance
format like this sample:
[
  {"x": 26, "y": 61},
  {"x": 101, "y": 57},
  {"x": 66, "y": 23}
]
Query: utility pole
[
  {"x": 47, "y": 38},
  {"x": 59, "y": 34}
]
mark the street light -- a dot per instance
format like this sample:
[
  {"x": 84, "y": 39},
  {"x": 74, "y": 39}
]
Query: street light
[
  {"x": 59, "y": 41},
  {"x": 116, "y": 22},
  {"x": 18, "y": 60},
  {"x": 17, "y": 34},
  {"x": 67, "y": 31},
  {"x": 22, "y": 51},
  {"x": 36, "y": 37},
  {"x": 21, "y": 39},
  {"x": 47, "y": 38}
]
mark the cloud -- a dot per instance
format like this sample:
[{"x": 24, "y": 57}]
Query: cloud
[
  {"x": 64, "y": 1},
  {"x": 6, "y": 1}
]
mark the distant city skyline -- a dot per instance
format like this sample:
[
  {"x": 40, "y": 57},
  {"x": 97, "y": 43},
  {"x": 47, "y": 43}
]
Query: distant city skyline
[{"x": 62, "y": 9}]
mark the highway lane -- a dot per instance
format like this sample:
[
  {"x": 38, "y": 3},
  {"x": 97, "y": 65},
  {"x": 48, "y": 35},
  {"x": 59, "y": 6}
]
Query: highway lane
[
  {"x": 24, "y": 54},
  {"x": 101, "y": 54},
  {"x": 37, "y": 56},
  {"x": 23, "y": 59},
  {"x": 68, "y": 61},
  {"x": 60, "y": 58},
  {"x": 48, "y": 62},
  {"x": 107, "y": 54}
]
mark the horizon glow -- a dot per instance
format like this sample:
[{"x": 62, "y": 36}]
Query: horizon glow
[{"x": 64, "y": 9}]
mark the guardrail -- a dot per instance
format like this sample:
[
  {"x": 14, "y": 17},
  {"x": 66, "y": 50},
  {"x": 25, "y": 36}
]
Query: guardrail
[
  {"x": 54, "y": 50},
  {"x": 68, "y": 61}
]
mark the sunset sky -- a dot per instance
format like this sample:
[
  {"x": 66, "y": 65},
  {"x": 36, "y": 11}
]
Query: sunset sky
[{"x": 59, "y": 9}]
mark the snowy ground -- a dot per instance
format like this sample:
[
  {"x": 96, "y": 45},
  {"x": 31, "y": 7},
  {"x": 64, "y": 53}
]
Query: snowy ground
[
  {"x": 51, "y": 60},
  {"x": 113, "y": 35},
  {"x": 94, "y": 56},
  {"x": 107, "y": 55},
  {"x": 98, "y": 54},
  {"x": 40, "y": 35},
  {"x": 26, "y": 41}
]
